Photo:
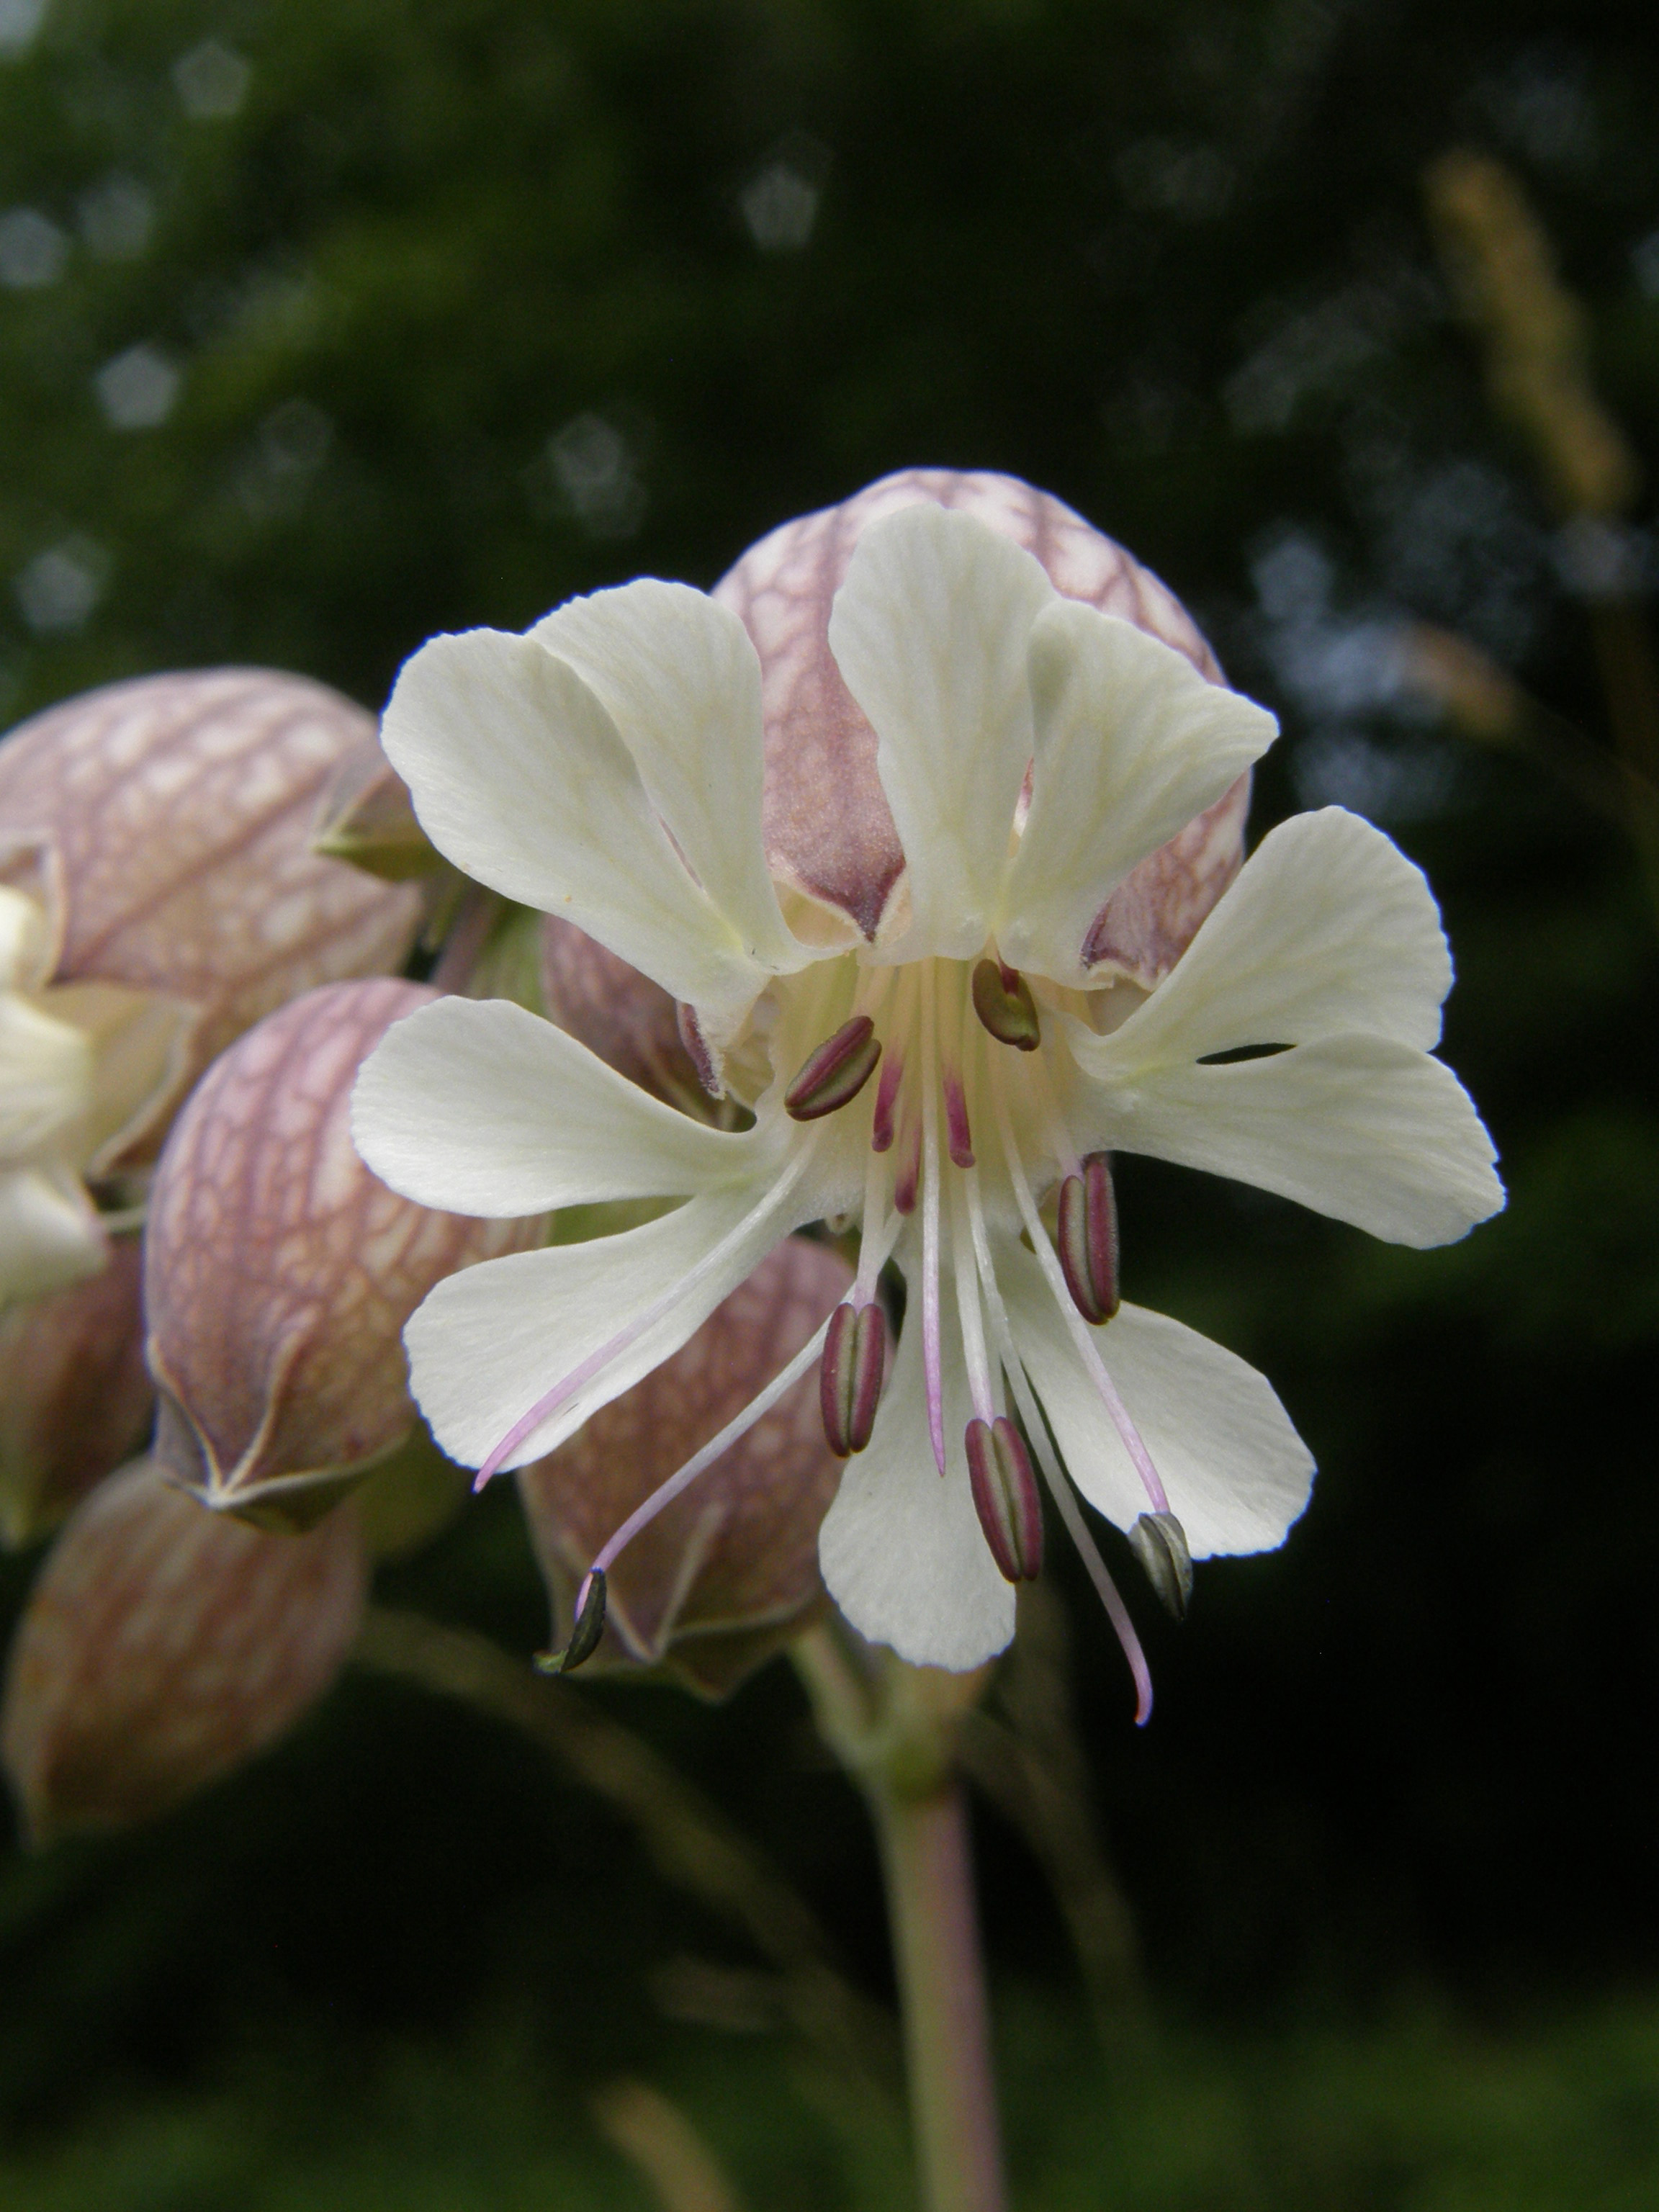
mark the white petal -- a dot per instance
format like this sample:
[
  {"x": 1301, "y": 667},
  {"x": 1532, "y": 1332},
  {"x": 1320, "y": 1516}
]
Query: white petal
[
  {"x": 929, "y": 631},
  {"x": 45, "y": 1076},
  {"x": 490, "y": 1342},
  {"x": 140, "y": 1044},
  {"x": 1328, "y": 929},
  {"x": 27, "y": 951},
  {"x": 1360, "y": 1127},
  {"x": 1130, "y": 744},
  {"x": 520, "y": 776},
  {"x": 479, "y": 1107},
  {"x": 680, "y": 678},
  {"x": 49, "y": 1232},
  {"x": 1235, "y": 1472},
  {"x": 902, "y": 1550}
]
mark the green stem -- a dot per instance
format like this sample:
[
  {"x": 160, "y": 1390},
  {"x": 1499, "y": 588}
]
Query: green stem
[
  {"x": 930, "y": 1908},
  {"x": 895, "y": 1729}
]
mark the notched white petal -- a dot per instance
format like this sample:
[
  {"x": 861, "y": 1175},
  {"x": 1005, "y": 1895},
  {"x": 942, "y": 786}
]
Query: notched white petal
[
  {"x": 1363, "y": 1128},
  {"x": 902, "y": 1550},
  {"x": 929, "y": 632},
  {"x": 490, "y": 1343},
  {"x": 1130, "y": 744},
  {"x": 518, "y": 774},
  {"x": 50, "y": 1235},
  {"x": 1328, "y": 929},
  {"x": 140, "y": 1044},
  {"x": 1236, "y": 1472},
  {"x": 680, "y": 680},
  {"x": 480, "y": 1107},
  {"x": 45, "y": 1076},
  {"x": 28, "y": 944}
]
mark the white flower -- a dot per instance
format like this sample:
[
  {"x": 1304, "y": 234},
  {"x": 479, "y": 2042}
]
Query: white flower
[
  {"x": 83, "y": 1068},
  {"x": 607, "y": 767}
]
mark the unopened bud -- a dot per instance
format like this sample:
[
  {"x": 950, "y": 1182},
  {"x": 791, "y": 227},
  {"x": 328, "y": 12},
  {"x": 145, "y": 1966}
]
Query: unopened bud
[
  {"x": 833, "y": 1076},
  {"x": 851, "y": 1374},
  {"x": 172, "y": 818},
  {"x": 719, "y": 1579},
  {"x": 1087, "y": 1239},
  {"x": 1159, "y": 1542},
  {"x": 586, "y": 1634},
  {"x": 279, "y": 1271},
  {"x": 631, "y": 1023},
  {"x": 367, "y": 817},
  {"x": 162, "y": 1647},
  {"x": 1003, "y": 1001},
  {"x": 74, "y": 1398},
  {"x": 830, "y": 839},
  {"x": 1006, "y": 1498}
]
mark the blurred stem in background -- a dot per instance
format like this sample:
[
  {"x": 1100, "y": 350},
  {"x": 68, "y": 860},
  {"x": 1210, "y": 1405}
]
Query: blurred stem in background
[
  {"x": 896, "y": 1728},
  {"x": 899, "y": 1730},
  {"x": 691, "y": 1841},
  {"x": 1537, "y": 340}
]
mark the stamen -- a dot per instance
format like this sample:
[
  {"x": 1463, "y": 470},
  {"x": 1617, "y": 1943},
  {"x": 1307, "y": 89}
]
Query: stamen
[
  {"x": 930, "y": 1343},
  {"x": 568, "y": 1386},
  {"x": 956, "y": 1122},
  {"x": 585, "y": 1634},
  {"x": 850, "y": 1378},
  {"x": 967, "y": 1306},
  {"x": 833, "y": 1076},
  {"x": 875, "y": 1238},
  {"x": 1059, "y": 1489},
  {"x": 906, "y": 1181},
  {"x": 1003, "y": 1001},
  {"x": 1087, "y": 1240},
  {"x": 1006, "y": 1498},
  {"x": 1078, "y": 1529},
  {"x": 882, "y": 1130},
  {"x": 1094, "y": 1366},
  {"x": 700, "y": 1461},
  {"x": 1159, "y": 1542}
]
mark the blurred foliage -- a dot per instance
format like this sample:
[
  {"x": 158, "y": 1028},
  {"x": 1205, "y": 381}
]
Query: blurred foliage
[
  {"x": 323, "y": 327},
  {"x": 1412, "y": 2113}
]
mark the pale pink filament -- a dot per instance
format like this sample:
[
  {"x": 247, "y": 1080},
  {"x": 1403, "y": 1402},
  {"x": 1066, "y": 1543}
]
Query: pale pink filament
[
  {"x": 1037, "y": 1429},
  {"x": 930, "y": 1197},
  {"x": 1133, "y": 1443},
  {"x": 569, "y": 1384}
]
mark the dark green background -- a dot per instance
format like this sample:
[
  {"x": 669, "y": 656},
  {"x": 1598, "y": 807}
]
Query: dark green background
[{"x": 1169, "y": 262}]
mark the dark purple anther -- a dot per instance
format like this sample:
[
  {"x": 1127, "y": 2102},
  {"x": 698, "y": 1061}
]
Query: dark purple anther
[
  {"x": 1003, "y": 1001},
  {"x": 1087, "y": 1239},
  {"x": 835, "y": 1074},
  {"x": 1006, "y": 1498},
  {"x": 959, "y": 1136},
  {"x": 910, "y": 1173},
  {"x": 883, "y": 1128},
  {"x": 585, "y": 1634},
  {"x": 1159, "y": 1542},
  {"x": 851, "y": 1375}
]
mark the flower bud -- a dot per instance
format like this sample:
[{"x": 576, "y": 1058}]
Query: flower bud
[
  {"x": 74, "y": 1398},
  {"x": 724, "y": 1575},
  {"x": 170, "y": 821},
  {"x": 279, "y": 1271},
  {"x": 630, "y": 1022},
  {"x": 162, "y": 1646},
  {"x": 368, "y": 818},
  {"x": 830, "y": 839}
]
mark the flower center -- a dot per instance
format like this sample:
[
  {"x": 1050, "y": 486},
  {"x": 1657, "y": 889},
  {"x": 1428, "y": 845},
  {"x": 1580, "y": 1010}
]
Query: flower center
[{"x": 942, "y": 1079}]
